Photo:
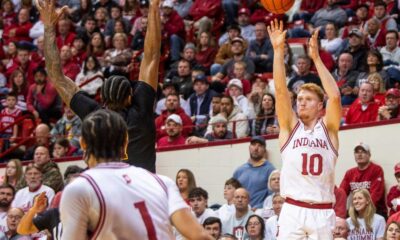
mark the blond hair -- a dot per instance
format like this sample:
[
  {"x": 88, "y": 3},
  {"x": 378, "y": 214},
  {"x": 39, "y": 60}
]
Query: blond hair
[
  {"x": 312, "y": 87},
  {"x": 376, "y": 75},
  {"x": 369, "y": 212}
]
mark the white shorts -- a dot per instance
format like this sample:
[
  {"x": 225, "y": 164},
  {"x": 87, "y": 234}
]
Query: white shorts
[{"x": 297, "y": 223}]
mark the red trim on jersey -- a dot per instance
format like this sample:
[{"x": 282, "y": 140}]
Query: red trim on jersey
[
  {"x": 309, "y": 205},
  {"x": 100, "y": 196},
  {"x": 112, "y": 165},
  {"x": 290, "y": 136},
  {"x": 329, "y": 138}
]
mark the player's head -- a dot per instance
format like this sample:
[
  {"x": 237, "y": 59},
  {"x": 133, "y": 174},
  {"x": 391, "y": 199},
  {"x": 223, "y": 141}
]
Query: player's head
[
  {"x": 362, "y": 207},
  {"x": 213, "y": 226},
  {"x": 104, "y": 136},
  {"x": 116, "y": 92},
  {"x": 255, "y": 227},
  {"x": 309, "y": 101},
  {"x": 198, "y": 199}
]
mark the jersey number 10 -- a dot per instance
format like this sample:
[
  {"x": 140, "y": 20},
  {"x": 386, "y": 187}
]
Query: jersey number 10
[{"x": 309, "y": 164}]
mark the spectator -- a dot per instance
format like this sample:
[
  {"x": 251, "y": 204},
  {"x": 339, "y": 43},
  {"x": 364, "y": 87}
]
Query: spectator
[
  {"x": 198, "y": 199},
  {"x": 391, "y": 108},
  {"x": 19, "y": 86},
  {"x": 23, "y": 64},
  {"x": 265, "y": 121},
  {"x": 182, "y": 7},
  {"x": 7, "y": 13},
  {"x": 204, "y": 14},
  {"x": 215, "y": 105},
  {"x": 119, "y": 57},
  {"x": 14, "y": 216},
  {"x": 391, "y": 52},
  {"x": 375, "y": 38},
  {"x": 331, "y": 13},
  {"x": 331, "y": 41},
  {"x": 25, "y": 196},
  {"x": 260, "y": 49},
  {"x": 357, "y": 49},
  {"x": 228, "y": 208},
  {"x": 70, "y": 68},
  {"x": 341, "y": 230},
  {"x": 189, "y": 54},
  {"x": 169, "y": 88},
  {"x": 236, "y": 222},
  {"x": 43, "y": 100},
  {"x": 238, "y": 50},
  {"x": 90, "y": 79},
  {"x": 303, "y": 74},
  {"x": 137, "y": 43},
  {"x": 230, "y": 10},
  {"x": 392, "y": 231},
  {"x": 235, "y": 90},
  {"x": 69, "y": 126},
  {"x": 213, "y": 226},
  {"x": 7, "y": 194},
  {"x": 393, "y": 197},
  {"x": 219, "y": 126},
  {"x": 206, "y": 50},
  {"x": 255, "y": 227},
  {"x": 186, "y": 183},
  {"x": 78, "y": 49},
  {"x": 8, "y": 121},
  {"x": 373, "y": 64},
  {"x": 273, "y": 187},
  {"x": 174, "y": 137},
  {"x": 116, "y": 15},
  {"x": 363, "y": 221},
  {"x": 65, "y": 35},
  {"x": 183, "y": 78},
  {"x": 379, "y": 87},
  {"x": 13, "y": 173},
  {"x": 307, "y": 10},
  {"x": 386, "y": 21},
  {"x": 366, "y": 175},
  {"x": 254, "y": 174},
  {"x": 87, "y": 28},
  {"x": 37, "y": 56},
  {"x": 240, "y": 72},
  {"x": 346, "y": 78},
  {"x": 174, "y": 28},
  {"x": 144, "y": 12},
  {"x": 365, "y": 107},
  {"x": 42, "y": 138},
  {"x": 36, "y": 31},
  {"x": 18, "y": 31},
  {"x": 62, "y": 148},
  {"x": 51, "y": 175},
  {"x": 172, "y": 106},
  {"x": 271, "y": 225},
  {"x": 10, "y": 54},
  {"x": 258, "y": 89},
  {"x": 97, "y": 47},
  {"x": 246, "y": 29}
]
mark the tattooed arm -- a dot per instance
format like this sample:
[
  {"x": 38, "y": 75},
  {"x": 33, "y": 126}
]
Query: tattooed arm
[
  {"x": 152, "y": 44},
  {"x": 65, "y": 87}
]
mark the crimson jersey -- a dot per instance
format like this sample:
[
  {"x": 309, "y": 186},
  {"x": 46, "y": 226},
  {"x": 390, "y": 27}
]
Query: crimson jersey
[
  {"x": 8, "y": 117},
  {"x": 308, "y": 165}
]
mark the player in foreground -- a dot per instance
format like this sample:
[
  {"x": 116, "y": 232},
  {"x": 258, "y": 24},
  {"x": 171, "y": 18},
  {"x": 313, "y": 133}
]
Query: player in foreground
[
  {"x": 309, "y": 147},
  {"x": 113, "y": 200},
  {"x": 135, "y": 104}
]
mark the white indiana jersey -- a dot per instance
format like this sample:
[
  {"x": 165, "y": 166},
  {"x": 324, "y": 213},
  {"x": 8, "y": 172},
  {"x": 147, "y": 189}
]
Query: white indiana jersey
[
  {"x": 308, "y": 165},
  {"x": 119, "y": 201}
]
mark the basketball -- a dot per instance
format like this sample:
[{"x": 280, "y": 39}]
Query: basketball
[{"x": 277, "y": 6}]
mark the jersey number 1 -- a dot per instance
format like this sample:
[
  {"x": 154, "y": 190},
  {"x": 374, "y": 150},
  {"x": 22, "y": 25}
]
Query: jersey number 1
[
  {"x": 310, "y": 162},
  {"x": 148, "y": 222}
]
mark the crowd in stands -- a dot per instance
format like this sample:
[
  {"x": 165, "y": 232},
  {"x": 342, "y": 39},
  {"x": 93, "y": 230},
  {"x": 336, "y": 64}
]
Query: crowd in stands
[{"x": 215, "y": 84}]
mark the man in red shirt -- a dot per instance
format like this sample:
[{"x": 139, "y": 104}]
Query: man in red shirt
[
  {"x": 70, "y": 68},
  {"x": 391, "y": 109},
  {"x": 365, "y": 107},
  {"x": 23, "y": 63},
  {"x": 366, "y": 175},
  {"x": 393, "y": 197},
  {"x": 65, "y": 35},
  {"x": 174, "y": 132}
]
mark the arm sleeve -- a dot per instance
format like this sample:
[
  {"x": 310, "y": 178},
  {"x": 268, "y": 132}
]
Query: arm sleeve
[
  {"x": 377, "y": 187},
  {"x": 82, "y": 104},
  {"x": 175, "y": 201},
  {"x": 46, "y": 219},
  {"x": 144, "y": 98},
  {"x": 75, "y": 207}
]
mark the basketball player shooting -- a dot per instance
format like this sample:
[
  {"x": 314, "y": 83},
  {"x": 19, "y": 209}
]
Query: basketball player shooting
[{"x": 309, "y": 147}]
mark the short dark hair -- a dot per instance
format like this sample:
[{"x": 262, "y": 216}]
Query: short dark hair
[
  {"x": 115, "y": 91},
  {"x": 233, "y": 182},
  {"x": 394, "y": 32},
  {"x": 230, "y": 98},
  {"x": 105, "y": 134},
  {"x": 7, "y": 185},
  {"x": 40, "y": 70},
  {"x": 198, "y": 192},
  {"x": 380, "y": 3},
  {"x": 12, "y": 94},
  {"x": 261, "y": 220},
  {"x": 63, "y": 142},
  {"x": 72, "y": 169},
  {"x": 212, "y": 220},
  {"x": 97, "y": 65}
]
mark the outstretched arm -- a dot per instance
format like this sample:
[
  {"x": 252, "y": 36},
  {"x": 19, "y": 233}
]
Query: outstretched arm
[
  {"x": 152, "y": 44},
  {"x": 65, "y": 87},
  {"x": 333, "y": 107},
  {"x": 286, "y": 117}
]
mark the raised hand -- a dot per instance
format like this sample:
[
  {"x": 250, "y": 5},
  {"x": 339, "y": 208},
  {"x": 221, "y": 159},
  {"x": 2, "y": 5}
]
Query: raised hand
[
  {"x": 48, "y": 12},
  {"x": 40, "y": 203},
  {"x": 276, "y": 34},
  {"x": 313, "y": 48}
]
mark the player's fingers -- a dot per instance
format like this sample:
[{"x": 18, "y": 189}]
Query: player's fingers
[
  {"x": 281, "y": 25},
  {"x": 276, "y": 24},
  {"x": 284, "y": 34}
]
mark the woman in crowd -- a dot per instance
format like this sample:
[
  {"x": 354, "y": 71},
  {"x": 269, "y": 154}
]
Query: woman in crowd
[
  {"x": 62, "y": 148},
  {"x": 91, "y": 70},
  {"x": 13, "y": 173},
  {"x": 379, "y": 86},
  {"x": 273, "y": 186},
  {"x": 271, "y": 224},
  {"x": 97, "y": 46},
  {"x": 118, "y": 58},
  {"x": 255, "y": 228},
  {"x": 11, "y": 54},
  {"x": 19, "y": 85},
  {"x": 392, "y": 231},
  {"x": 265, "y": 122},
  {"x": 206, "y": 50},
  {"x": 331, "y": 42},
  {"x": 374, "y": 64},
  {"x": 101, "y": 16},
  {"x": 363, "y": 222},
  {"x": 186, "y": 182}
]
